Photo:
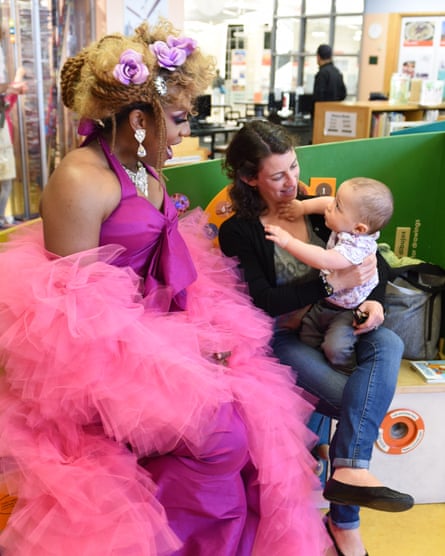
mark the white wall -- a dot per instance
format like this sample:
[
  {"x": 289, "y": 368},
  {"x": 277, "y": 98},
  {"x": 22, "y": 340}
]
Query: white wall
[
  {"x": 115, "y": 10},
  {"x": 403, "y": 6}
]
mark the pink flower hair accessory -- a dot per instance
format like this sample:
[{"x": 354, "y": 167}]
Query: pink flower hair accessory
[
  {"x": 131, "y": 68},
  {"x": 174, "y": 52}
]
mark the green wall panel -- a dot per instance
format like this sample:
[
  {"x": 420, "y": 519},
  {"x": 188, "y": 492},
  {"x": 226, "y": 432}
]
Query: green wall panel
[
  {"x": 412, "y": 165},
  {"x": 200, "y": 181}
]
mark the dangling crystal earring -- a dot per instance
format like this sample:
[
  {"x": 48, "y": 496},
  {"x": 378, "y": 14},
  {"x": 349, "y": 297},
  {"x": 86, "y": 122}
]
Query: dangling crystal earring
[{"x": 139, "y": 135}]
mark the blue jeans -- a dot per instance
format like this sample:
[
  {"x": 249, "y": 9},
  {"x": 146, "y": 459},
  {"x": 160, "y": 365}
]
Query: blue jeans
[
  {"x": 330, "y": 328},
  {"x": 358, "y": 401}
]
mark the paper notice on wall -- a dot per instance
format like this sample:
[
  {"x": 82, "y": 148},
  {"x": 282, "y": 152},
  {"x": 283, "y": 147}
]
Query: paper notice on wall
[
  {"x": 340, "y": 124},
  {"x": 401, "y": 242}
]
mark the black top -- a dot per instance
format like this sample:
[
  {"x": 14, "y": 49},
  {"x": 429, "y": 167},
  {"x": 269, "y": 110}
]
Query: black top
[
  {"x": 329, "y": 84},
  {"x": 245, "y": 239}
]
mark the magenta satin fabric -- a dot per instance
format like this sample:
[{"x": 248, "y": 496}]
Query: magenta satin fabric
[
  {"x": 205, "y": 497},
  {"x": 154, "y": 248},
  {"x": 211, "y": 500}
]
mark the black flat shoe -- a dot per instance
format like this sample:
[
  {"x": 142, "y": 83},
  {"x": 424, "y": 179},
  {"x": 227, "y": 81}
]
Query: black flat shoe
[
  {"x": 331, "y": 535},
  {"x": 377, "y": 498}
]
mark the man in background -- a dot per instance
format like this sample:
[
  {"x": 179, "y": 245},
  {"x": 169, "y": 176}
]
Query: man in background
[{"x": 328, "y": 84}]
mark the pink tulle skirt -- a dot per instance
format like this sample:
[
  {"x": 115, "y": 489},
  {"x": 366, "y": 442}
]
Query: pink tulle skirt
[{"x": 121, "y": 434}]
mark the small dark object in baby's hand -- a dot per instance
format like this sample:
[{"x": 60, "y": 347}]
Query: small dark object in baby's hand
[{"x": 359, "y": 316}]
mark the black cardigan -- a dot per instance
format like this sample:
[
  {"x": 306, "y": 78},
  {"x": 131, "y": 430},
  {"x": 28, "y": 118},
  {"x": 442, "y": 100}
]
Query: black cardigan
[{"x": 245, "y": 240}]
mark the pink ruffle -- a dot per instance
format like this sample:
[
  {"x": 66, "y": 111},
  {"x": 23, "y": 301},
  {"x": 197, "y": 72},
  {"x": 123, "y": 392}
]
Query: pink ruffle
[
  {"x": 85, "y": 354},
  {"x": 273, "y": 407}
]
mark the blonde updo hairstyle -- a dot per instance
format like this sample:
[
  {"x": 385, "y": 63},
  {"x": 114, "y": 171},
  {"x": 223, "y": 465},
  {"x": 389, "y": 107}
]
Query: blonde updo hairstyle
[{"x": 90, "y": 89}]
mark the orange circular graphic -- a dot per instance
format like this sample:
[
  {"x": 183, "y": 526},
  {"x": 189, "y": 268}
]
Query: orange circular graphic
[{"x": 401, "y": 431}]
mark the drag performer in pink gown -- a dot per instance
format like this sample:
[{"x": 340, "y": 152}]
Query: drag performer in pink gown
[{"x": 141, "y": 411}]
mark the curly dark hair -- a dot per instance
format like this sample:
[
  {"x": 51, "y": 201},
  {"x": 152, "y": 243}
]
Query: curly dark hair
[{"x": 253, "y": 143}]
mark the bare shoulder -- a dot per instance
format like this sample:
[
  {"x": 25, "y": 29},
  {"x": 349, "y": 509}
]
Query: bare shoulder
[
  {"x": 81, "y": 193},
  {"x": 82, "y": 178}
]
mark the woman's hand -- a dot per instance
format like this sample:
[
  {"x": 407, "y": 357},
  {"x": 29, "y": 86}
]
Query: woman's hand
[
  {"x": 354, "y": 275},
  {"x": 375, "y": 318},
  {"x": 18, "y": 86}
]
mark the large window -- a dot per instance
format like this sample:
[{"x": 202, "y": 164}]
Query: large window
[{"x": 298, "y": 29}]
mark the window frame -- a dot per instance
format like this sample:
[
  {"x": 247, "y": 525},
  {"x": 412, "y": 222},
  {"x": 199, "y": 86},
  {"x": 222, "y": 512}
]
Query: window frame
[{"x": 300, "y": 55}]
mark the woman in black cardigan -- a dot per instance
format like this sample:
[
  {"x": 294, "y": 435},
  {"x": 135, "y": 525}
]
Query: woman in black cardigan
[{"x": 263, "y": 166}]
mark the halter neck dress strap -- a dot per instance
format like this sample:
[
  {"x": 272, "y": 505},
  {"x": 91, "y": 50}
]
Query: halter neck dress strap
[
  {"x": 154, "y": 247},
  {"x": 128, "y": 187}
]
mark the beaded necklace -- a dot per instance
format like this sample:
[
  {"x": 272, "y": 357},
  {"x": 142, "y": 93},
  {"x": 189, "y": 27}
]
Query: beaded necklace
[{"x": 139, "y": 178}]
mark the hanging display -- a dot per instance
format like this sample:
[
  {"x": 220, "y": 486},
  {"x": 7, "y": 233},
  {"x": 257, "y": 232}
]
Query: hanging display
[{"x": 422, "y": 47}]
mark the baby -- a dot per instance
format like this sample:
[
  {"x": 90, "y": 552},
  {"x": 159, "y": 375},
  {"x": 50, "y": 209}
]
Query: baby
[{"x": 361, "y": 208}]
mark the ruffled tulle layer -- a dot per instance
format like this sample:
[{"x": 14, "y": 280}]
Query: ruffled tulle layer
[{"x": 92, "y": 367}]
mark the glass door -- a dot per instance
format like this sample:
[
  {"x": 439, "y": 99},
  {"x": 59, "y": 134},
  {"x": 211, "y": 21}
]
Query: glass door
[{"x": 48, "y": 32}]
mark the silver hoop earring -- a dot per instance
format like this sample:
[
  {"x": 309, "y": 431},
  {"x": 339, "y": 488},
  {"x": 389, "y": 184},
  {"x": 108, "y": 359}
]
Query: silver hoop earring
[{"x": 139, "y": 135}]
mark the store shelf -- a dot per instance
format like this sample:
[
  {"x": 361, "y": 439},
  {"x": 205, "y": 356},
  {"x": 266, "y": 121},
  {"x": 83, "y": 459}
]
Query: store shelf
[{"x": 342, "y": 121}]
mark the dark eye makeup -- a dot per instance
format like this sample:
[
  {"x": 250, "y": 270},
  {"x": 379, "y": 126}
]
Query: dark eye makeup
[{"x": 180, "y": 118}]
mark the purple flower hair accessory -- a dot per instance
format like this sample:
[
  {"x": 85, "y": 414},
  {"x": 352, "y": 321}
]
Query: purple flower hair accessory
[
  {"x": 131, "y": 68},
  {"x": 186, "y": 43},
  {"x": 174, "y": 52}
]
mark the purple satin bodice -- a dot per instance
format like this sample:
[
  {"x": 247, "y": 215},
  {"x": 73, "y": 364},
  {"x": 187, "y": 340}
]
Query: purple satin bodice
[{"x": 154, "y": 248}]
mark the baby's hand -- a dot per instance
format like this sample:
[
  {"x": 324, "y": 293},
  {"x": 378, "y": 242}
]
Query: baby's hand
[
  {"x": 277, "y": 235},
  {"x": 291, "y": 210}
]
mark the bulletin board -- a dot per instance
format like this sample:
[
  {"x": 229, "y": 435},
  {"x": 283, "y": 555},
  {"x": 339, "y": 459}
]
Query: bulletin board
[{"x": 422, "y": 47}]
